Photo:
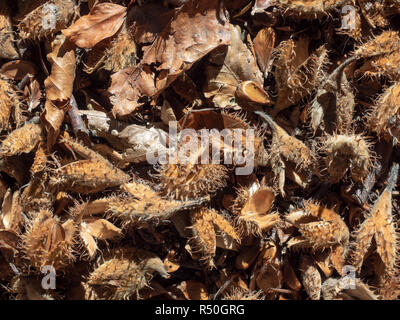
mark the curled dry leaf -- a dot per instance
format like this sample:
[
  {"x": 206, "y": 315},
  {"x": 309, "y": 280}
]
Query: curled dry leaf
[
  {"x": 59, "y": 84},
  {"x": 134, "y": 141},
  {"x": 58, "y": 87},
  {"x": 103, "y": 21},
  {"x": 52, "y": 118}
]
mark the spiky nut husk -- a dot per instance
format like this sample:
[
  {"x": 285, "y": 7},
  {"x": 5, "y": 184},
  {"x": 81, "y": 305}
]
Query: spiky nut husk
[
  {"x": 192, "y": 180},
  {"x": 38, "y": 23},
  {"x": 251, "y": 210},
  {"x": 204, "y": 237},
  {"x": 112, "y": 54},
  {"x": 310, "y": 277},
  {"x": 238, "y": 121},
  {"x": 384, "y": 118},
  {"x": 309, "y": 9},
  {"x": 8, "y": 100},
  {"x": 40, "y": 160},
  {"x": 335, "y": 289},
  {"x": 379, "y": 225},
  {"x": 320, "y": 226},
  {"x": 36, "y": 195},
  {"x": 227, "y": 235},
  {"x": 7, "y": 49},
  {"x": 83, "y": 151},
  {"x": 240, "y": 294},
  {"x": 145, "y": 205},
  {"x": 122, "y": 52},
  {"x": 125, "y": 273},
  {"x": 21, "y": 140},
  {"x": 297, "y": 73},
  {"x": 384, "y": 51},
  {"x": 47, "y": 242},
  {"x": 87, "y": 176},
  {"x": 374, "y": 12},
  {"x": 346, "y": 153}
]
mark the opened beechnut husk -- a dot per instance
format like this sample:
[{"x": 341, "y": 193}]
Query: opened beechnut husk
[{"x": 199, "y": 149}]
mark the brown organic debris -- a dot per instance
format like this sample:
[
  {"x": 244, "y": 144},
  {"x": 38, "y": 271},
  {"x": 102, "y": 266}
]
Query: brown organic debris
[{"x": 199, "y": 149}]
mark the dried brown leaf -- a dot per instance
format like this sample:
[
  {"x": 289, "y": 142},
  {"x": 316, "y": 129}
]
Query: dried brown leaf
[{"x": 103, "y": 21}]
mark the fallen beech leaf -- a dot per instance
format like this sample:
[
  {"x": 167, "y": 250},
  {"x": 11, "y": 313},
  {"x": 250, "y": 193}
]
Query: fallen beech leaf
[
  {"x": 103, "y": 21},
  {"x": 138, "y": 21},
  {"x": 52, "y": 118},
  {"x": 264, "y": 42},
  {"x": 175, "y": 50},
  {"x": 128, "y": 86}
]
